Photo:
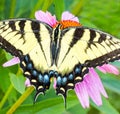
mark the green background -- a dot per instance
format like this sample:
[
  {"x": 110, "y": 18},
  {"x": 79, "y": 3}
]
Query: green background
[{"x": 103, "y": 15}]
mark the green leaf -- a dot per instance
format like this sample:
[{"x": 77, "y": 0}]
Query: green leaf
[
  {"x": 4, "y": 79},
  {"x": 2, "y": 2},
  {"x": 18, "y": 82},
  {"x": 106, "y": 107},
  {"x": 36, "y": 7},
  {"x": 46, "y": 4},
  {"x": 77, "y": 7},
  {"x": 12, "y": 8},
  {"x": 112, "y": 83},
  {"x": 53, "y": 106},
  {"x": 105, "y": 17}
]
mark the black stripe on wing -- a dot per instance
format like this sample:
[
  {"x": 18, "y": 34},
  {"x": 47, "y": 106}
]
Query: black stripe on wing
[
  {"x": 92, "y": 37},
  {"x": 36, "y": 30},
  {"x": 12, "y": 25},
  {"x": 102, "y": 38},
  {"x": 20, "y": 30},
  {"x": 35, "y": 26},
  {"x": 79, "y": 32},
  {"x": 5, "y": 44},
  {"x": 109, "y": 57},
  {"x": 22, "y": 26},
  {"x": 10, "y": 48}
]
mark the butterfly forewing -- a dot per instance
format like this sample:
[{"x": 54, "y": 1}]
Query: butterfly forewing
[
  {"x": 28, "y": 36},
  {"x": 87, "y": 46}
]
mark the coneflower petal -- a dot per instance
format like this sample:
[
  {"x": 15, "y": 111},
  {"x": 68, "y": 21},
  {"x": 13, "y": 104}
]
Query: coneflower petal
[
  {"x": 11, "y": 62},
  {"x": 68, "y": 16},
  {"x": 108, "y": 68},
  {"x": 92, "y": 89},
  {"x": 82, "y": 94}
]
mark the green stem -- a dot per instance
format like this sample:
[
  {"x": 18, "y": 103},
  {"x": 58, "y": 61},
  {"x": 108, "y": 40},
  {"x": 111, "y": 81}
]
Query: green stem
[
  {"x": 6, "y": 96},
  {"x": 20, "y": 100}
]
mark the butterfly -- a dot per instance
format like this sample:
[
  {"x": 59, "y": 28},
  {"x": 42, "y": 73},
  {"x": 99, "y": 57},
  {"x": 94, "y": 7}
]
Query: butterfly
[{"x": 65, "y": 54}]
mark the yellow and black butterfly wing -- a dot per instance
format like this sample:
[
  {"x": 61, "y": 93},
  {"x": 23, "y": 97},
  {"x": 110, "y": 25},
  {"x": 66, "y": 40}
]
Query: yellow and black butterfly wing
[
  {"x": 85, "y": 45},
  {"x": 30, "y": 41},
  {"x": 80, "y": 49}
]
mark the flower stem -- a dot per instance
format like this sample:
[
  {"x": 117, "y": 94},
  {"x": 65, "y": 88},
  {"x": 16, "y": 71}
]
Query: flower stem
[
  {"x": 6, "y": 96},
  {"x": 20, "y": 100}
]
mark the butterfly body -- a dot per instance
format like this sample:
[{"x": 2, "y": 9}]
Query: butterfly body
[{"x": 63, "y": 52}]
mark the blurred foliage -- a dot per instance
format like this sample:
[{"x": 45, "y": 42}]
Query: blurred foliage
[{"x": 103, "y": 15}]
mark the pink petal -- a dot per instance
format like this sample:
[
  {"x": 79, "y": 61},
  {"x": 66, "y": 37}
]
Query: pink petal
[
  {"x": 46, "y": 17},
  {"x": 92, "y": 90},
  {"x": 68, "y": 16},
  {"x": 27, "y": 82},
  {"x": 11, "y": 62},
  {"x": 109, "y": 68},
  {"x": 97, "y": 82},
  {"x": 54, "y": 85},
  {"x": 90, "y": 86},
  {"x": 81, "y": 92},
  {"x": 101, "y": 69}
]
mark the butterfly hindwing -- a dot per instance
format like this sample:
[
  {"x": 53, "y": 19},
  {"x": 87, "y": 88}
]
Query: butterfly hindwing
[{"x": 30, "y": 41}]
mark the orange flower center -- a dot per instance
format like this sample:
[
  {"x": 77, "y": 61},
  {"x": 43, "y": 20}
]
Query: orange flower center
[{"x": 67, "y": 23}]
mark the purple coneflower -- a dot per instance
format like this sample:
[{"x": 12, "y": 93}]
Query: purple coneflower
[{"x": 91, "y": 86}]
